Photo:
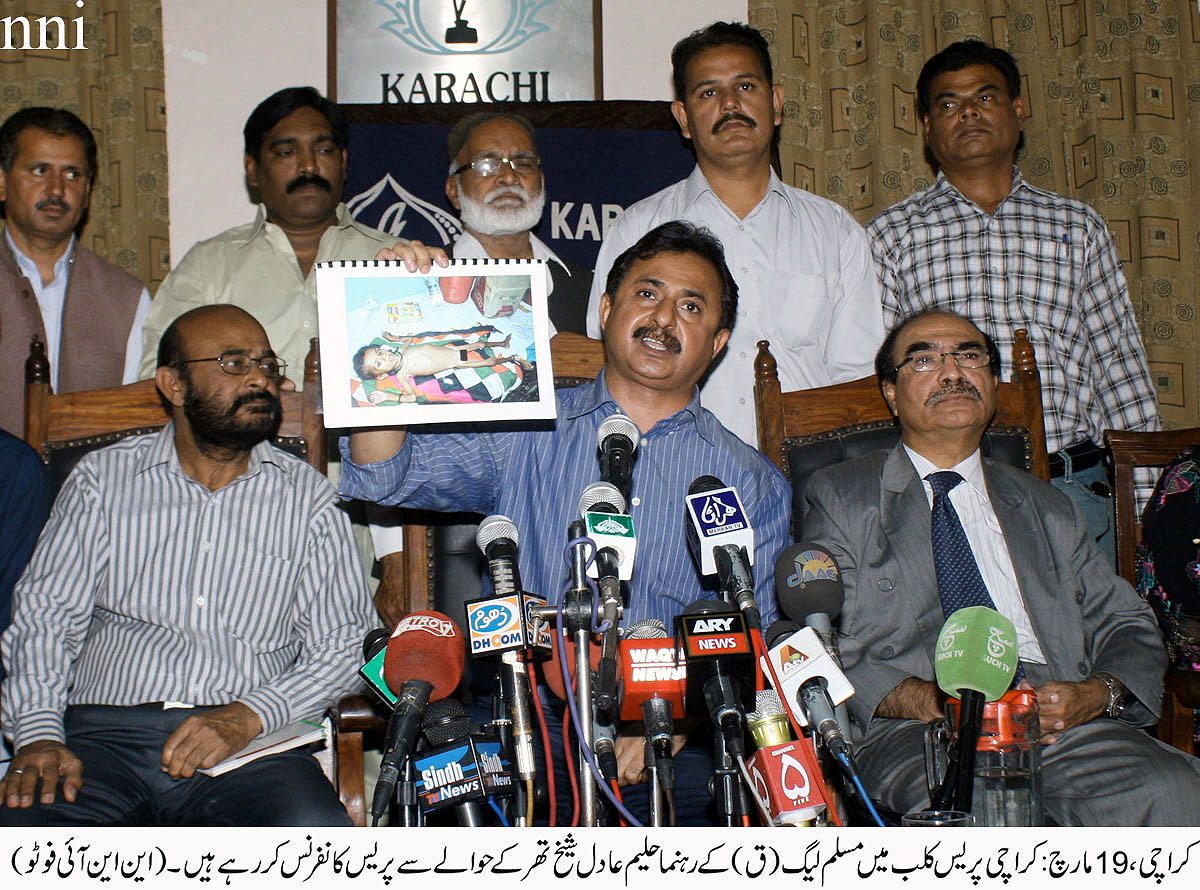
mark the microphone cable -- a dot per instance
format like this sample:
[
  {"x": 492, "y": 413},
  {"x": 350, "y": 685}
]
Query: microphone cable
[
  {"x": 568, "y": 684},
  {"x": 545, "y": 734}
]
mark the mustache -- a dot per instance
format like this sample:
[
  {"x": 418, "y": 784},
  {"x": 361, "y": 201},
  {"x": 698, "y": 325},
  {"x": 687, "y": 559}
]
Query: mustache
[
  {"x": 507, "y": 191},
  {"x": 269, "y": 400},
  {"x": 665, "y": 337},
  {"x": 734, "y": 116},
  {"x": 954, "y": 388},
  {"x": 307, "y": 179},
  {"x": 53, "y": 202}
]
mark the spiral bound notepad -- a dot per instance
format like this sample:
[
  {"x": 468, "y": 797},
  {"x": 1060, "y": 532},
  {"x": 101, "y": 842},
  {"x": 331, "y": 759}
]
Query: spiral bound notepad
[{"x": 462, "y": 344}]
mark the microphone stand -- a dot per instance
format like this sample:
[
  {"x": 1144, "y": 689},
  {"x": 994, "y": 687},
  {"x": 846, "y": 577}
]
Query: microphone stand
[
  {"x": 577, "y": 608},
  {"x": 406, "y": 796}
]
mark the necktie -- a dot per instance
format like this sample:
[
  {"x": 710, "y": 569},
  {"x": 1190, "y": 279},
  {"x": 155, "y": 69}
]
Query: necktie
[{"x": 959, "y": 583}]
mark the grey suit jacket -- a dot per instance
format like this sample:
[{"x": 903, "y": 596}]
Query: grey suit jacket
[{"x": 873, "y": 515}]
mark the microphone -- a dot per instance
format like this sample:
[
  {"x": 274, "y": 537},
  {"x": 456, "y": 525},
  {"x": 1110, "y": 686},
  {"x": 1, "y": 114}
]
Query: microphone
[
  {"x": 720, "y": 664},
  {"x": 602, "y": 508},
  {"x": 653, "y": 681},
  {"x": 423, "y": 661},
  {"x": 618, "y": 437},
  {"x": 497, "y": 538},
  {"x": 650, "y": 669},
  {"x": 450, "y": 774},
  {"x": 975, "y": 660},
  {"x": 768, "y": 722},
  {"x": 808, "y": 586},
  {"x": 504, "y": 621},
  {"x": 786, "y": 777},
  {"x": 722, "y": 540},
  {"x": 809, "y": 681}
]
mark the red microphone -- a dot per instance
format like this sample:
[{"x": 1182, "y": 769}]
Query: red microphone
[
  {"x": 425, "y": 646},
  {"x": 650, "y": 669},
  {"x": 423, "y": 662},
  {"x": 787, "y": 777}
]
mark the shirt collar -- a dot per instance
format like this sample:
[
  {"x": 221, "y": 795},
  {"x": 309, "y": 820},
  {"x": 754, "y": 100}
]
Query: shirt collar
[
  {"x": 595, "y": 396},
  {"x": 162, "y": 453},
  {"x": 467, "y": 247},
  {"x": 943, "y": 186},
  {"x": 344, "y": 219},
  {"x": 29, "y": 268},
  {"x": 970, "y": 468},
  {"x": 696, "y": 185}
]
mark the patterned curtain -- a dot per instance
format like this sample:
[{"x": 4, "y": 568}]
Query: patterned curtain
[
  {"x": 1112, "y": 88},
  {"x": 116, "y": 86}
]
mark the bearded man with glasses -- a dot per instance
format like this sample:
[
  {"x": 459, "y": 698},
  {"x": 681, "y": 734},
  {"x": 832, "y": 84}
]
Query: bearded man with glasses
[
  {"x": 496, "y": 182},
  {"x": 193, "y": 588}
]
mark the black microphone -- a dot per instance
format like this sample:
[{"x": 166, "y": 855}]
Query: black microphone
[
  {"x": 618, "y": 437},
  {"x": 720, "y": 666},
  {"x": 450, "y": 773},
  {"x": 614, "y": 562},
  {"x": 722, "y": 541},
  {"x": 808, "y": 586}
]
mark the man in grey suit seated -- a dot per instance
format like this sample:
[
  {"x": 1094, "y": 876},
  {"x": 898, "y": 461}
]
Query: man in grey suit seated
[{"x": 1087, "y": 643}]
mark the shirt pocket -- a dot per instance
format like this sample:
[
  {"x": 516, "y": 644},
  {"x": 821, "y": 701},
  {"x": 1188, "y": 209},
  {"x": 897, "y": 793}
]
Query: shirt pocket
[
  {"x": 799, "y": 312},
  {"x": 256, "y": 607}
]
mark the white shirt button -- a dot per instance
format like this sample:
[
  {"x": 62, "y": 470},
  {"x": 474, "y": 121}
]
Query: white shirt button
[
  {"x": 635, "y": 502},
  {"x": 200, "y": 601},
  {"x": 643, "y": 443}
]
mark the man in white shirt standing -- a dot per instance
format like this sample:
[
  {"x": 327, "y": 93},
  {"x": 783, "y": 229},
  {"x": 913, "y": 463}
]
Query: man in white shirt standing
[
  {"x": 802, "y": 264},
  {"x": 88, "y": 312},
  {"x": 496, "y": 182}
]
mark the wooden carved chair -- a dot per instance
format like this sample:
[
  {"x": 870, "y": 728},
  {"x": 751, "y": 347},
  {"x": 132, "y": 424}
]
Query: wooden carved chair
[
  {"x": 804, "y": 430},
  {"x": 442, "y": 570},
  {"x": 1181, "y": 692},
  {"x": 64, "y": 427}
]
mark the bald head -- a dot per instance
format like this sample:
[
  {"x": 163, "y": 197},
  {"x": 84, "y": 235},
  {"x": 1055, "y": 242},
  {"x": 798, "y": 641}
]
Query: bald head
[{"x": 173, "y": 347}]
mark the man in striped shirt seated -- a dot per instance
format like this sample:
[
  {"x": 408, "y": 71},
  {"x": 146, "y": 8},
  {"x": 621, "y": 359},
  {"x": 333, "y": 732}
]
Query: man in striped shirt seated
[{"x": 193, "y": 588}]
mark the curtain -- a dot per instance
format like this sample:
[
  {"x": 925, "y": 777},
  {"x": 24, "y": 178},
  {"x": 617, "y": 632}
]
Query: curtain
[
  {"x": 115, "y": 85},
  {"x": 1112, "y": 89}
]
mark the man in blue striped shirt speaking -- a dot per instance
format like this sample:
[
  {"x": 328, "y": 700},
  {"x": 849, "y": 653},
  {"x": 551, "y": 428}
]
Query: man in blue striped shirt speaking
[
  {"x": 667, "y": 312},
  {"x": 193, "y": 588}
]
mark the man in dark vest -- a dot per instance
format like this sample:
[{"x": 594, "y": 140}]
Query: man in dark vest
[
  {"x": 87, "y": 311},
  {"x": 495, "y": 181}
]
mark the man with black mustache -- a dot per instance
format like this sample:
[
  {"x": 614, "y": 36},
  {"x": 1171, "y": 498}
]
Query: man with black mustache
[
  {"x": 85, "y": 310},
  {"x": 984, "y": 241},
  {"x": 668, "y": 305},
  {"x": 802, "y": 264},
  {"x": 1087, "y": 643},
  {"x": 295, "y": 144},
  {"x": 193, "y": 588}
]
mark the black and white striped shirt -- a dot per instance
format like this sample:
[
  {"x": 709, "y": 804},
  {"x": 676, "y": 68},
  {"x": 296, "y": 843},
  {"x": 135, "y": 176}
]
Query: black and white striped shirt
[{"x": 146, "y": 586}]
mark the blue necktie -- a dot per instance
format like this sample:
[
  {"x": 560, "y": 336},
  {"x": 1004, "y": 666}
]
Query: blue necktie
[{"x": 959, "y": 583}]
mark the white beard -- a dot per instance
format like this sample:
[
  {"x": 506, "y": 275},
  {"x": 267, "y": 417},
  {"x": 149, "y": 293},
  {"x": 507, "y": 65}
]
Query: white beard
[{"x": 481, "y": 217}]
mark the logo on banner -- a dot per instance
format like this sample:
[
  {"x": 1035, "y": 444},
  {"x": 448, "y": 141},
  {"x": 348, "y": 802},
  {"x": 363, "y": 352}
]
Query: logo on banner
[
  {"x": 479, "y": 28},
  {"x": 791, "y": 659},
  {"x": 491, "y": 617}
]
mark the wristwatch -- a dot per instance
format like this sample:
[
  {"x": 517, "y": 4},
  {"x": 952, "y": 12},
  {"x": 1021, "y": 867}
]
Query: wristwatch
[{"x": 1117, "y": 694}]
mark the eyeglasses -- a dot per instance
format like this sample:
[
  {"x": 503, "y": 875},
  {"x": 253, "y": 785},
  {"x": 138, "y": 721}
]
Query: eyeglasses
[
  {"x": 489, "y": 165},
  {"x": 239, "y": 364},
  {"x": 931, "y": 359}
]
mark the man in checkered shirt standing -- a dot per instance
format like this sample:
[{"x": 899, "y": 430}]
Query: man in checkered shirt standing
[{"x": 983, "y": 242}]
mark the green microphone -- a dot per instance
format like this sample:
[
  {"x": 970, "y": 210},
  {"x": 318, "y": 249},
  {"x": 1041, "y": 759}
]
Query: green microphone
[{"x": 975, "y": 660}]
